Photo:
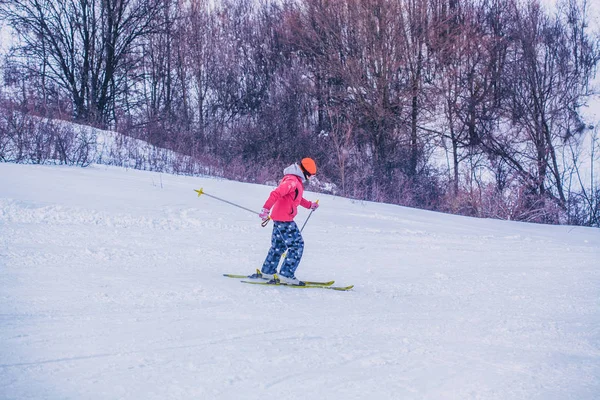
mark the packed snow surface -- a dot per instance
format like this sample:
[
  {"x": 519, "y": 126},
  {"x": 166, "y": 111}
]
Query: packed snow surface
[{"x": 111, "y": 287}]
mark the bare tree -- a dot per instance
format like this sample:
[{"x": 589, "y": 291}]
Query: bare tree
[
  {"x": 83, "y": 46},
  {"x": 551, "y": 61},
  {"x": 470, "y": 54},
  {"x": 414, "y": 27},
  {"x": 584, "y": 201},
  {"x": 354, "y": 61},
  {"x": 199, "y": 59}
]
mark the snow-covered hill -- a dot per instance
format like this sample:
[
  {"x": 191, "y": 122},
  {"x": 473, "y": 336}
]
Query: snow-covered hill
[{"x": 111, "y": 287}]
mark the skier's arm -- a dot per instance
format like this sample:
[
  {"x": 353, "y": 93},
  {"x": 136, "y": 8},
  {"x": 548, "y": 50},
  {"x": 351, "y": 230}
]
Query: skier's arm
[
  {"x": 281, "y": 190},
  {"x": 305, "y": 203}
]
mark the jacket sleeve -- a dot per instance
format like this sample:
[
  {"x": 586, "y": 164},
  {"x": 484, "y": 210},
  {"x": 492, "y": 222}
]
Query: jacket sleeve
[
  {"x": 305, "y": 203},
  {"x": 284, "y": 188}
]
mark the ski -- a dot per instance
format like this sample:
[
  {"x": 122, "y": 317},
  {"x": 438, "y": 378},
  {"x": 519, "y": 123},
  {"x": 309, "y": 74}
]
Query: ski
[
  {"x": 236, "y": 276},
  {"x": 307, "y": 286},
  {"x": 311, "y": 283}
]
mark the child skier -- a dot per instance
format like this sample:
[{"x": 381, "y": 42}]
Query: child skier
[{"x": 285, "y": 200}]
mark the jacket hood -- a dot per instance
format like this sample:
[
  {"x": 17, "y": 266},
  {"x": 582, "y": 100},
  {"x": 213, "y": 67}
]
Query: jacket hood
[{"x": 294, "y": 169}]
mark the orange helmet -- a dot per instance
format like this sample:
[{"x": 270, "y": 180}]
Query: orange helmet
[{"x": 309, "y": 166}]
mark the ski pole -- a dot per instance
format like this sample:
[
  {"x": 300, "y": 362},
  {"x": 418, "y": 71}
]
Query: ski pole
[
  {"x": 301, "y": 229},
  {"x": 307, "y": 218},
  {"x": 202, "y": 192}
]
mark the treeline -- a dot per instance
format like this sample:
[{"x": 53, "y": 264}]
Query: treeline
[{"x": 463, "y": 106}]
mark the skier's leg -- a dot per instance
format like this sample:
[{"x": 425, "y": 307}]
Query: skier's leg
[
  {"x": 295, "y": 247},
  {"x": 275, "y": 252}
]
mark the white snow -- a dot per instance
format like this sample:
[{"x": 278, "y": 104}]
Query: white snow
[{"x": 111, "y": 287}]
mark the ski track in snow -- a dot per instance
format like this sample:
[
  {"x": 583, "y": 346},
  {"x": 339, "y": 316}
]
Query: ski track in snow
[{"x": 111, "y": 288}]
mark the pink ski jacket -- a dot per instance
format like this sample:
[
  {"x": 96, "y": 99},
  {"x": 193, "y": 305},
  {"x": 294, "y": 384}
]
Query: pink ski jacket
[{"x": 286, "y": 198}]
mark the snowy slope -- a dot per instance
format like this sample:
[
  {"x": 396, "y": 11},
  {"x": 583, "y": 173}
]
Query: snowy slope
[{"x": 111, "y": 288}]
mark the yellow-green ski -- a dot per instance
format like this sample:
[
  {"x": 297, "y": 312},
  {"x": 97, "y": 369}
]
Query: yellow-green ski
[
  {"x": 236, "y": 276},
  {"x": 307, "y": 286},
  {"x": 276, "y": 282},
  {"x": 311, "y": 283}
]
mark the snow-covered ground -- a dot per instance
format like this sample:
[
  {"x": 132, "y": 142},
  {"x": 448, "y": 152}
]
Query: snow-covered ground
[{"x": 111, "y": 287}]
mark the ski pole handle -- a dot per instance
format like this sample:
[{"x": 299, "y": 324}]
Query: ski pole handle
[{"x": 265, "y": 221}]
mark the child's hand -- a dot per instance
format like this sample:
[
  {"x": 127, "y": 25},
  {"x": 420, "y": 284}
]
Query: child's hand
[{"x": 263, "y": 214}]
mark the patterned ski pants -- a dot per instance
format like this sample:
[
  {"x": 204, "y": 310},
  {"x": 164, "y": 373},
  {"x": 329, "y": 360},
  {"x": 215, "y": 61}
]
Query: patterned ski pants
[{"x": 286, "y": 236}]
